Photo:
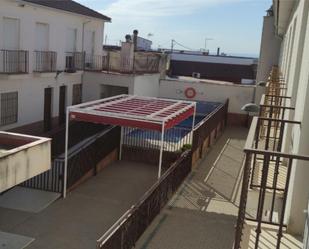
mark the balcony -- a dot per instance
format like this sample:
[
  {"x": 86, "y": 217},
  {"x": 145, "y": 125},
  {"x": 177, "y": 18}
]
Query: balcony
[
  {"x": 267, "y": 170},
  {"x": 74, "y": 61},
  {"x": 45, "y": 61},
  {"x": 94, "y": 62},
  {"x": 113, "y": 61},
  {"x": 14, "y": 61},
  {"x": 21, "y": 158}
]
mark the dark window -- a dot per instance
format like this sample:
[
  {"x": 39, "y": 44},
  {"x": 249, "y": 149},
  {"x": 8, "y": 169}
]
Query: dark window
[
  {"x": 77, "y": 94},
  {"x": 9, "y": 108}
]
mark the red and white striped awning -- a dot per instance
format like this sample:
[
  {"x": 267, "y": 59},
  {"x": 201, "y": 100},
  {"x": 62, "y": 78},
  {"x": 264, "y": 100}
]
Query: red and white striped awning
[{"x": 134, "y": 111}]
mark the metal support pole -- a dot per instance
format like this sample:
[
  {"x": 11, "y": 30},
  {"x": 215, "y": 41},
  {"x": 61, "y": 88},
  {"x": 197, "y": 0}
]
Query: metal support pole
[
  {"x": 65, "y": 174},
  {"x": 193, "y": 123},
  {"x": 121, "y": 142},
  {"x": 161, "y": 151}
]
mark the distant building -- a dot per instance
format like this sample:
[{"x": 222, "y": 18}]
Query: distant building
[
  {"x": 240, "y": 70},
  {"x": 143, "y": 44}
]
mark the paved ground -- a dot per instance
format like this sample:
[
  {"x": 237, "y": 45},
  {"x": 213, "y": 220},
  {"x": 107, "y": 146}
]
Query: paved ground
[
  {"x": 203, "y": 212},
  {"x": 78, "y": 221}
]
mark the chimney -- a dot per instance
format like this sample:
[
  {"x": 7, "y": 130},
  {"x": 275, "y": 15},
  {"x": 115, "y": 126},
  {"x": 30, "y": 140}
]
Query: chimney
[
  {"x": 135, "y": 34},
  {"x": 128, "y": 38},
  {"x": 218, "y": 51}
]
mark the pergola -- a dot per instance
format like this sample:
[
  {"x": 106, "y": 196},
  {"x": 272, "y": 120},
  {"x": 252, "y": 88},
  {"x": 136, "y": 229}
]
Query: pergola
[{"x": 131, "y": 111}]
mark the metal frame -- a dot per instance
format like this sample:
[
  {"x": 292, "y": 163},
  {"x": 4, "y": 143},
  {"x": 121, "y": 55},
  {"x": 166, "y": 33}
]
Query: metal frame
[{"x": 115, "y": 111}]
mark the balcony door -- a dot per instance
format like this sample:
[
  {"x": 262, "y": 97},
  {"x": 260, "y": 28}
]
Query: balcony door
[
  {"x": 10, "y": 60},
  {"x": 89, "y": 42},
  {"x": 42, "y": 37},
  {"x": 11, "y": 34},
  {"x": 71, "y": 37}
]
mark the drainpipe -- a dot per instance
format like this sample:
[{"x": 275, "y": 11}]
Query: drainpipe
[
  {"x": 83, "y": 34},
  {"x": 83, "y": 52}
]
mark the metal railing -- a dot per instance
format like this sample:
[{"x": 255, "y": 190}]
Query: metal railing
[
  {"x": 93, "y": 62},
  {"x": 128, "y": 229},
  {"x": 45, "y": 61},
  {"x": 267, "y": 169},
  {"x": 51, "y": 180},
  {"x": 141, "y": 62},
  {"x": 210, "y": 123},
  {"x": 14, "y": 61},
  {"x": 74, "y": 61}
]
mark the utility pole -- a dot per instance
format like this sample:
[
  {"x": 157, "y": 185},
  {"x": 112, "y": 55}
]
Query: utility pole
[{"x": 172, "y": 45}]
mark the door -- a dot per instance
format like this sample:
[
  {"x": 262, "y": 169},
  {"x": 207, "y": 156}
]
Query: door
[
  {"x": 47, "y": 109},
  {"x": 62, "y": 104},
  {"x": 11, "y": 31},
  {"x": 89, "y": 42},
  {"x": 42, "y": 37},
  {"x": 10, "y": 61},
  {"x": 71, "y": 36}
]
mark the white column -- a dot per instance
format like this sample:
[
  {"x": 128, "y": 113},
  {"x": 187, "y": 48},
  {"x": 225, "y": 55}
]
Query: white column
[
  {"x": 121, "y": 142},
  {"x": 161, "y": 151},
  {"x": 65, "y": 175},
  {"x": 193, "y": 123}
]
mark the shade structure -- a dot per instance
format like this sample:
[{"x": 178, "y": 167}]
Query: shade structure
[
  {"x": 134, "y": 111},
  {"x": 131, "y": 111}
]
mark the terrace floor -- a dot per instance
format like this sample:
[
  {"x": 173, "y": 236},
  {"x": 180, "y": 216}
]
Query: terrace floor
[
  {"x": 203, "y": 212},
  {"x": 79, "y": 220}
]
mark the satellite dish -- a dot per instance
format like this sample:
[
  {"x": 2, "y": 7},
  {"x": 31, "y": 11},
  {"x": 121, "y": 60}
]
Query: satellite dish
[
  {"x": 261, "y": 83},
  {"x": 253, "y": 108}
]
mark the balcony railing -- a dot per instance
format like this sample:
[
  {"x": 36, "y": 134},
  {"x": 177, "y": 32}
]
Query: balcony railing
[
  {"x": 113, "y": 61},
  {"x": 141, "y": 62},
  {"x": 14, "y": 61},
  {"x": 45, "y": 61},
  {"x": 74, "y": 61},
  {"x": 267, "y": 169},
  {"x": 93, "y": 62}
]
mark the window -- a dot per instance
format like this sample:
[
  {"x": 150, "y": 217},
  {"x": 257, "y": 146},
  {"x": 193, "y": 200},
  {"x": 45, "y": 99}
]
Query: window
[
  {"x": 77, "y": 94},
  {"x": 9, "y": 108}
]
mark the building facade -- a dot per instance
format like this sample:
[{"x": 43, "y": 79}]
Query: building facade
[
  {"x": 240, "y": 70},
  {"x": 284, "y": 53},
  {"x": 42, "y": 46}
]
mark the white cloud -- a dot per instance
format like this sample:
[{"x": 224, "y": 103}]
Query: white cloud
[{"x": 159, "y": 8}]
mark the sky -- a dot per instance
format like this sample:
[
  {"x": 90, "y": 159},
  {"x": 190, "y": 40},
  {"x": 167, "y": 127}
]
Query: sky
[{"x": 233, "y": 25}]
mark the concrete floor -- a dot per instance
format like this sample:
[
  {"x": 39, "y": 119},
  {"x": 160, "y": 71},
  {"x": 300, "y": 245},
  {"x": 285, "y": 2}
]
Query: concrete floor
[
  {"x": 79, "y": 220},
  {"x": 203, "y": 212}
]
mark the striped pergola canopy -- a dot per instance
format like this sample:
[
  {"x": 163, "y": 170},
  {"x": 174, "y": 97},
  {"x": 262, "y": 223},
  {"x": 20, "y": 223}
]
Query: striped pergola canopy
[{"x": 134, "y": 111}]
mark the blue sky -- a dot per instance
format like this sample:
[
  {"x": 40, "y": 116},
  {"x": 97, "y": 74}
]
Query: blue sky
[{"x": 234, "y": 25}]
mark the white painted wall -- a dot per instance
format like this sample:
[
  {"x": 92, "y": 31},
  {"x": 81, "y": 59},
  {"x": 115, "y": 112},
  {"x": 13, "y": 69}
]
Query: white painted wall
[
  {"x": 59, "y": 22},
  {"x": 24, "y": 162},
  {"x": 31, "y": 94},
  {"x": 147, "y": 85},
  {"x": 294, "y": 64},
  {"x": 238, "y": 95},
  {"x": 270, "y": 49},
  {"x": 92, "y": 82},
  {"x": 297, "y": 138},
  {"x": 30, "y": 87}
]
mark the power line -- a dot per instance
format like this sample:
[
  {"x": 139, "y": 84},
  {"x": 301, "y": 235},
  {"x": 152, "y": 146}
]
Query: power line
[{"x": 179, "y": 44}]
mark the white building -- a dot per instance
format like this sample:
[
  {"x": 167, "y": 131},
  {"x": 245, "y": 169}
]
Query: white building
[
  {"x": 143, "y": 44},
  {"x": 285, "y": 45},
  {"x": 42, "y": 45}
]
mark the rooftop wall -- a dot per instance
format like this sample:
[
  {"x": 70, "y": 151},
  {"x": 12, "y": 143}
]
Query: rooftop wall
[{"x": 238, "y": 95}]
